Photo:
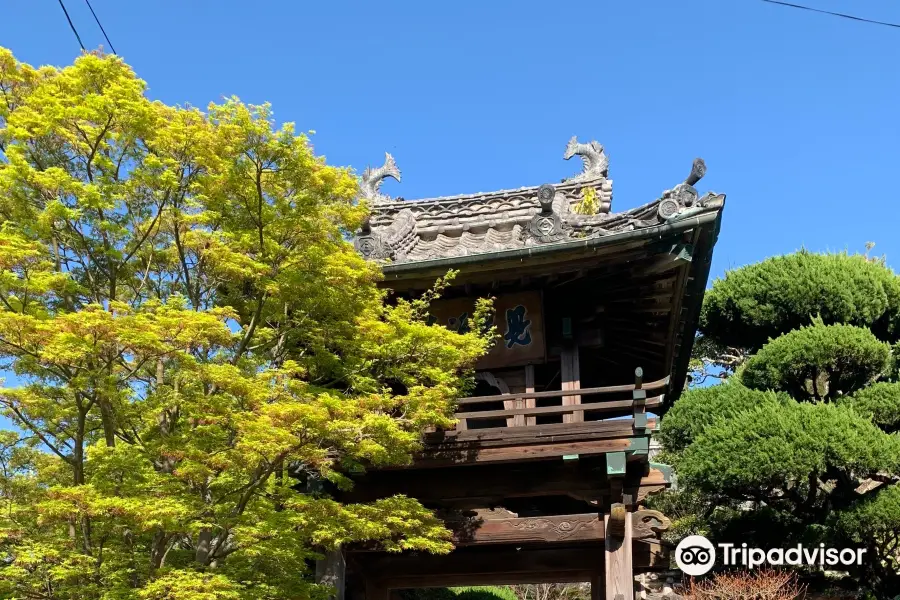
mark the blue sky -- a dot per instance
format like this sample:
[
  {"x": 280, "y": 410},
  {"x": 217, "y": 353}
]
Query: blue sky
[{"x": 795, "y": 113}]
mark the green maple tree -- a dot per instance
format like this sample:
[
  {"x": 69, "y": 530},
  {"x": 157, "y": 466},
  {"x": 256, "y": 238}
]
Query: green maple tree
[{"x": 190, "y": 338}]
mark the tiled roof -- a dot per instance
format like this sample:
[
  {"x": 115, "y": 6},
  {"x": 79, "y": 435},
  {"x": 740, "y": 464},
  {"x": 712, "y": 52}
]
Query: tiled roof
[{"x": 418, "y": 230}]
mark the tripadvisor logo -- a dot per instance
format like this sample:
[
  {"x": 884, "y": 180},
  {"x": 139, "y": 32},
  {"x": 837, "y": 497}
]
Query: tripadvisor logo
[{"x": 696, "y": 555}]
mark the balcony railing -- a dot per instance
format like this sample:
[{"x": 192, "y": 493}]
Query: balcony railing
[{"x": 521, "y": 410}]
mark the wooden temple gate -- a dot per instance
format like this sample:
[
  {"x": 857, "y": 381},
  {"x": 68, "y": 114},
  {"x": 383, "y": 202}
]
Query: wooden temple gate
[{"x": 543, "y": 478}]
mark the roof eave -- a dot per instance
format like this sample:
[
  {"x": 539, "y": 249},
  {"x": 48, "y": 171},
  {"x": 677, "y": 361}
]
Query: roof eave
[{"x": 412, "y": 268}]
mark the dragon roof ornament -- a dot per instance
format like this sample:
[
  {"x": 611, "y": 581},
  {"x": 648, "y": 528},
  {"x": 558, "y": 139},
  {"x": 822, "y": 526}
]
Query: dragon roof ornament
[
  {"x": 372, "y": 179},
  {"x": 454, "y": 226},
  {"x": 595, "y": 163}
]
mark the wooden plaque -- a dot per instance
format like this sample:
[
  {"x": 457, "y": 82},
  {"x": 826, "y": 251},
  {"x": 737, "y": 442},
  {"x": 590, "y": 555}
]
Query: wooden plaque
[{"x": 519, "y": 322}]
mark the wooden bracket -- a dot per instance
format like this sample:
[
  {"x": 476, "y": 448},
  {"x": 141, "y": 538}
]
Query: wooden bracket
[
  {"x": 615, "y": 464},
  {"x": 648, "y": 524}
]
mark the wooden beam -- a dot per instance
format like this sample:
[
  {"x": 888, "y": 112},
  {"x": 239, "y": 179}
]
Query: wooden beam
[
  {"x": 464, "y": 456},
  {"x": 610, "y": 389},
  {"x": 526, "y": 530},
  {"x": 500, "y": 565},
  {"x": 551, "y": 529},
  {"x": 565, "y": 410},
  {"x": 536, "y": 433},
  {"x": 482, "y": 485},
  {"x": 485, "y": 579}
]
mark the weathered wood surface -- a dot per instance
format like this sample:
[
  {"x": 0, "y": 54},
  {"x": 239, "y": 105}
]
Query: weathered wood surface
[
  {"x": 525, "y": 530},
  {"x": 619, "y": 570},
  {"x": 529, "y": 389},
  {"x": 482, "y": 454},
  {"x": 506, "y": 444},
  {"x": 570, "y": 371},
  {"x": 645, "y": 524},
  {"x": 648, "y": 524}
]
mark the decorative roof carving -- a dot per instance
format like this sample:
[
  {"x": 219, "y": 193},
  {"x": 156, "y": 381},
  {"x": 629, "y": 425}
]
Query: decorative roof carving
[
  {"x": 370, "y": 185},
  {"x": 454, "y": 226},
  {"x": 372, "y": 245},
  {"x": 595, "y": 163},
  {"x": 546, "y": 226}
]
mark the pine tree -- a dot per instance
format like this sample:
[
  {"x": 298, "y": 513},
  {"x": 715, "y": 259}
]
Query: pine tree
[{"x": 798, "y": 444}]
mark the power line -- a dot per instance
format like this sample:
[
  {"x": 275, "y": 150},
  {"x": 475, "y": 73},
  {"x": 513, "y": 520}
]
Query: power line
[
  {"x": 72, "y": 25},
  {"x": 100, "y": 26},
  {"x": 835, "y": 14}
]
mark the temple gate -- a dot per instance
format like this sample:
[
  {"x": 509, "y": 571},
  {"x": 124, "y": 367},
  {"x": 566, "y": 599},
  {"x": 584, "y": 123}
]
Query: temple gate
[{"x": 544, "y": 476}]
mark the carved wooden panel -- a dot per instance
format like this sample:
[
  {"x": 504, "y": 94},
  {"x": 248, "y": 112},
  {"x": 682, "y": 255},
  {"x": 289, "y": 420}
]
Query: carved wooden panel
[
  {"x": 565, "y": 528},
  {"x": 503, "y": 527},
  {"x": 648, "y": 524}
]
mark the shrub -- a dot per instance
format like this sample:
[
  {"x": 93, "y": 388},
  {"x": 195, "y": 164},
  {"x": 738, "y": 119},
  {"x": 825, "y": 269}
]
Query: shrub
[
  {"x": 494, "y": 592},
  {"x": 880, "y": 403},
  {"x": 777, "y": 446},
  {"x": 818, "y": 362},
  {"x": 460, "y": 593},
  {"x": 699, "y": 407},
  {"x": 752, "y": 304},
  {"x": 875, "y": 523}
]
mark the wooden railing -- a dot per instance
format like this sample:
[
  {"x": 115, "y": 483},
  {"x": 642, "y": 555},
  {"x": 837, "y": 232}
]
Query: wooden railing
[{"x": 524, "y": 405}]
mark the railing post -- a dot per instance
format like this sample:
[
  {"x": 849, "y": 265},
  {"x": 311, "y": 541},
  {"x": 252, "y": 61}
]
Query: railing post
[
  {"x": 514, "y": 410},
  {"x": 529, "y": 389},
  {"x": 570, "y": 372},
  {"x": 639, "y": 405}
]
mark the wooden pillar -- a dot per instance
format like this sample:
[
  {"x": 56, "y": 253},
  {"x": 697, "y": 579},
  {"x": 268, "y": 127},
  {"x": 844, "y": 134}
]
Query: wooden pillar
[
  {"x": 570, "y": 372},
  {"x": 618, "y": 568},
  {"x": 529, "y": 388},
  {"x": 331, "y": 571}
]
